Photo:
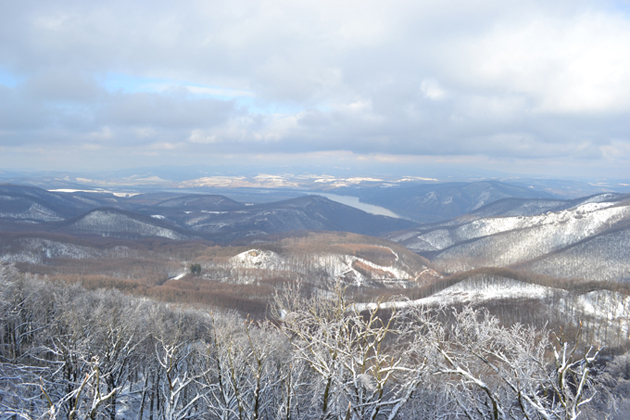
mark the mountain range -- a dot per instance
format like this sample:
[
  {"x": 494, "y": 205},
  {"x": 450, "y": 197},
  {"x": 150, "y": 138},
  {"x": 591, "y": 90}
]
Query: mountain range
[
  {"x": 511, "y": 244},
  {"x": 429, "y": 203},
  {"x": 210, "y": 217}
]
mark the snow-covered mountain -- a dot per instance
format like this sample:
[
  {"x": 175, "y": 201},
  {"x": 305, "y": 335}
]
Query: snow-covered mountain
[
  {"x": 603, "y": 257},
  {"x": 561, "y": 241}
]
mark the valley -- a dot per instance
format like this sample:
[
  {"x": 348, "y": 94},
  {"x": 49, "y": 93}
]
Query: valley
[
  {"x": 511, "y": 256},
  {"x": 248, "y": 251}
]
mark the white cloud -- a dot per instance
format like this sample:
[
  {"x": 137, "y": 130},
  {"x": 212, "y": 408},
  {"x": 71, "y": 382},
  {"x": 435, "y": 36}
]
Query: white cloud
[
  {"x": 578, "y": 64},
  {"x": 502, "y": 80},
  {"x": 617, "y": 149},
  {"x": 105, "y": 133},
  {"x": 164, "y": 146},
  {"x": 432, "y": 90},
  {"x": 201, "y": 136},
  {"x": 218, "y": 91}
]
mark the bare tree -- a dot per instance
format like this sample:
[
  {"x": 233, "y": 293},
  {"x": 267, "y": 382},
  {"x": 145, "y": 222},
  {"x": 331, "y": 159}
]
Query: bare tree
[
  {"x": 359, "y": 366},
  {"x": 505, "y": 372},
  {"x": 246, "y": 376}
]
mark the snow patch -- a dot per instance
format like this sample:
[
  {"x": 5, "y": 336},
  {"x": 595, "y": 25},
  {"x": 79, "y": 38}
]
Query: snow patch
[
  {"x": 337, "y": 267},
  {"x": 257, "y": 258}
]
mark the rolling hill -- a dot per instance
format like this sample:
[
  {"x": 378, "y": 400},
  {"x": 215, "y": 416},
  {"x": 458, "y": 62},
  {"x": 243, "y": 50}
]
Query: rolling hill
[
  {"x": 34, "y": 204},
  {"x": 121, "y": 224}
]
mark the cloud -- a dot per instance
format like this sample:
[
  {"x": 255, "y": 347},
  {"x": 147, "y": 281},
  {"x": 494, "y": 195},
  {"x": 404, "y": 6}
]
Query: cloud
[
  {"x": 61, "y": 85},
  {"x": 573, "y": 65},
  {"x": 432, "y": 90},
  {"x": 170, "y": 110},
  {"x": 490, "y": 80}
]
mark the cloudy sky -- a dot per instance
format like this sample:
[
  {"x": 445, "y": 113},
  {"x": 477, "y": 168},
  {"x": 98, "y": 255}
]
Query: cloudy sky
[{"x": 530, "y": 87}]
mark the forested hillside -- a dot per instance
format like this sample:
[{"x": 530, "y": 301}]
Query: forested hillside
[{"x": 67, "y": 353}]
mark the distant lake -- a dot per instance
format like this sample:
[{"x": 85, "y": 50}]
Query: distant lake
[{"x": 351, "y": 201}]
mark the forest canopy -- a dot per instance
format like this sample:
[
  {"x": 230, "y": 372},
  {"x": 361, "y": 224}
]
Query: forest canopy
[{"x": 69, "y": 353}]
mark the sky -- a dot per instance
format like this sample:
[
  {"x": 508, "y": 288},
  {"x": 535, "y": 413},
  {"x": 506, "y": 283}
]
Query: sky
[{"x": 530, "y": 87}]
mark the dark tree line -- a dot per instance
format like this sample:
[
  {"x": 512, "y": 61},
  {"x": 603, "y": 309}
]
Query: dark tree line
[{"x": 68, "y": 353}]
